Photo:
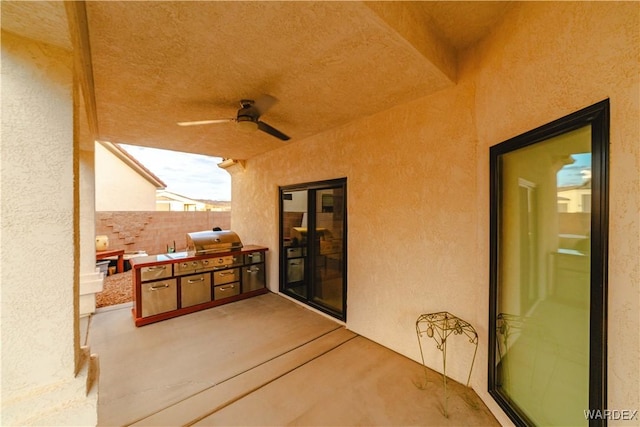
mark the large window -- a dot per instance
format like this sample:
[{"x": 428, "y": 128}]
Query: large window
[
  {"x": 547, "y": 362},
  {"x": 313, "y": 236}
]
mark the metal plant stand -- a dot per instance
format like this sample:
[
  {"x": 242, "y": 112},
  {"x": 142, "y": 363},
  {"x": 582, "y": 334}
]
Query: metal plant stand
[
  {"x": 439, "y": 326},
  {"x": 509, "y": 326}
]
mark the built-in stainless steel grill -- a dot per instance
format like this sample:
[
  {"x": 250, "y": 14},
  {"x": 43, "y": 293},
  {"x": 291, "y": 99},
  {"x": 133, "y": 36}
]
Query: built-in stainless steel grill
[{"x": 211, "y": 242}]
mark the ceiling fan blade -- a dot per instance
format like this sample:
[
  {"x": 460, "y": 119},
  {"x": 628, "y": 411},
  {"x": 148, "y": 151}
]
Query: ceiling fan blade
[
  {"x": 205, "y": 122},
  {"x": 272, "y": 131},
  {"x": 264, "y": 103}
]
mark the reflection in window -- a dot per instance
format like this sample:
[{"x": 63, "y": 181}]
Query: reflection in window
[{"x": 574, "y": 204}]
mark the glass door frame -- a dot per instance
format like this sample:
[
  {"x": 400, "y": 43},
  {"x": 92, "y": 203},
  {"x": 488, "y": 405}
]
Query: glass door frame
[
  {"x": 310, "y": 264},
  {"x": 597, "y": 116}
]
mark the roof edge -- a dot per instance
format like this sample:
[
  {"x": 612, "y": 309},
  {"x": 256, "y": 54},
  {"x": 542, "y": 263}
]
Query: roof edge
[{"x": 133, "y": 163}]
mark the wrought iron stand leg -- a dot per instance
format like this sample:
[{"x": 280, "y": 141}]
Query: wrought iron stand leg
[
  {"x": 426, "y": 375},
  {"x": 472, "y": 362},
  {"x": 444, "y": 375}
]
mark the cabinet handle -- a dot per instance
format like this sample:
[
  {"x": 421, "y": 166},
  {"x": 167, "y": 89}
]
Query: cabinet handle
[
  {"x": 158, "y": 267},
  {"x": 253, "y": 270},
  {"x": 222, "y": 288},
  {"x": 158, "y": 287},
  {"x": 226, "y": 273},
  {"x": 196, "y": 280}
]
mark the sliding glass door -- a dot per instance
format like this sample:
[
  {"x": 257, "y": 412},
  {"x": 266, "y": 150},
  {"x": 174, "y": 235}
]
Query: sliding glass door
[
  {"x": 547, "y": 327},
  {"x": 313, "y": 235}
]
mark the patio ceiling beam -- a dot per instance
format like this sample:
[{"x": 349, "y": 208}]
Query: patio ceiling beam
[{"x": 79, "y": 32}]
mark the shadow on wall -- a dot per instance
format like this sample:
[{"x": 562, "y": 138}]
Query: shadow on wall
[{"x": 156, "y": 232}]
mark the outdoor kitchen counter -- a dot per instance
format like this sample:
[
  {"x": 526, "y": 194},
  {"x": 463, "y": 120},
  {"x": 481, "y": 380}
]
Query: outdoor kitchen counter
[
  {"x": 174, "y": 284},
  {"x": 151, "y": 260}
]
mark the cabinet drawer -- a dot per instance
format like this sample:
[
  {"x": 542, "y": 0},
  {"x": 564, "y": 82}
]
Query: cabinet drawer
[
  {"x": 195, "y": 289},
  {"x": 155, "y": 272},
  {"x": 226, "y": 276},
  {"x": 294, "y": 252},
  {"x": 159, "y": 297},
  {"x": 254, "y": 258},
  {"x": 253, "y": 277},
  {"x": 225, "y": 291},
  {"x": 295, "y": 270}
]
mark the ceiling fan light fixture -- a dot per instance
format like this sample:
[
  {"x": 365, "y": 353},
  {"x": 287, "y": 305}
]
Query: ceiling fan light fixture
[{"x": 246, "y": 124}]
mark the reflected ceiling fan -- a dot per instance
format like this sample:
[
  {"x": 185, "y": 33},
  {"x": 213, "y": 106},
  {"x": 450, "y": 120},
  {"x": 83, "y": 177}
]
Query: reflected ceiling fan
[{"x": 248, "y": 117}]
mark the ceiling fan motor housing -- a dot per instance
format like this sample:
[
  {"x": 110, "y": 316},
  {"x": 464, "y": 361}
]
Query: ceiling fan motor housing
[{"x": 248, "y": 111}]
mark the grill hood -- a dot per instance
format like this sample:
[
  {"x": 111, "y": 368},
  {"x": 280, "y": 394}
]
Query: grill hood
[{"x": 210, "y": 242}]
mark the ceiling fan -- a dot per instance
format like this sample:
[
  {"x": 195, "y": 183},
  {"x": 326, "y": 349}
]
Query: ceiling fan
[{"x": 248, "y": 117}]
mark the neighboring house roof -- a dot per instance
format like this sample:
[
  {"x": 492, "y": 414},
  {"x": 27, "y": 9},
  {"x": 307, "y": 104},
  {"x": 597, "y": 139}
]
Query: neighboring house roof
[
  {"x": 134, "y": 164},
  {"x": 584, "y": 186},
  {"x": 210, "y": 205},
  {"x": 168, "y": 195}
]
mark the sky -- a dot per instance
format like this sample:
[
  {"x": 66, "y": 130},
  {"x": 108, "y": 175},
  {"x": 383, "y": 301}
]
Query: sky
[
  {"x": 574, "y": 173},
  {"x": 191, "y": 175}
]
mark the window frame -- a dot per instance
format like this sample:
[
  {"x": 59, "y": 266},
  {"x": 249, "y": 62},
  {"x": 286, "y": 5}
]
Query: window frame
[
  {"x": 596, "y": 115},
  {"x": 314, "y": 186}
]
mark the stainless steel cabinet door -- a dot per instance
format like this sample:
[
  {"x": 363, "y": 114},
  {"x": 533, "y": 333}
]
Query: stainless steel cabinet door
[
  {"x": 295, "y": 270},
  {"x": 195, "y": 289},
  {"x": 159, "y": 297},
  {"x": 253, "y": 277}
]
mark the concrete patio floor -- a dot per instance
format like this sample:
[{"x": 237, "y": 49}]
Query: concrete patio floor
[{"x": 264, "y": 361}]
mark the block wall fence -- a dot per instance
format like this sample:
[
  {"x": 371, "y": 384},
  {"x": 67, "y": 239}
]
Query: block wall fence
[{"x": 154, "y": 232}]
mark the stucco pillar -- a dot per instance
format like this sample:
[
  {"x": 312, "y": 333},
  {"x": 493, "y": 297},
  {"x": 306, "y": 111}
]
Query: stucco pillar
[{"x": 43, "y": 379}]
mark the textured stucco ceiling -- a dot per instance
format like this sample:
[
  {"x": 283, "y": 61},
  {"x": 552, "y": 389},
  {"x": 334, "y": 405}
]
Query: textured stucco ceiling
[
  {"x": 43, "y": 21},
  {"x": 328, "y": 63}
]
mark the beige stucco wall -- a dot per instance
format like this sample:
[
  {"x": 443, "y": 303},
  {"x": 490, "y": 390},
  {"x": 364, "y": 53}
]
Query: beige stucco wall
[
  {"x": 118, "y": 187},
  {"x": 39, "y": 304},
  {"x": 418, "y": 182},
  {"x": 582, "y": 53}
]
